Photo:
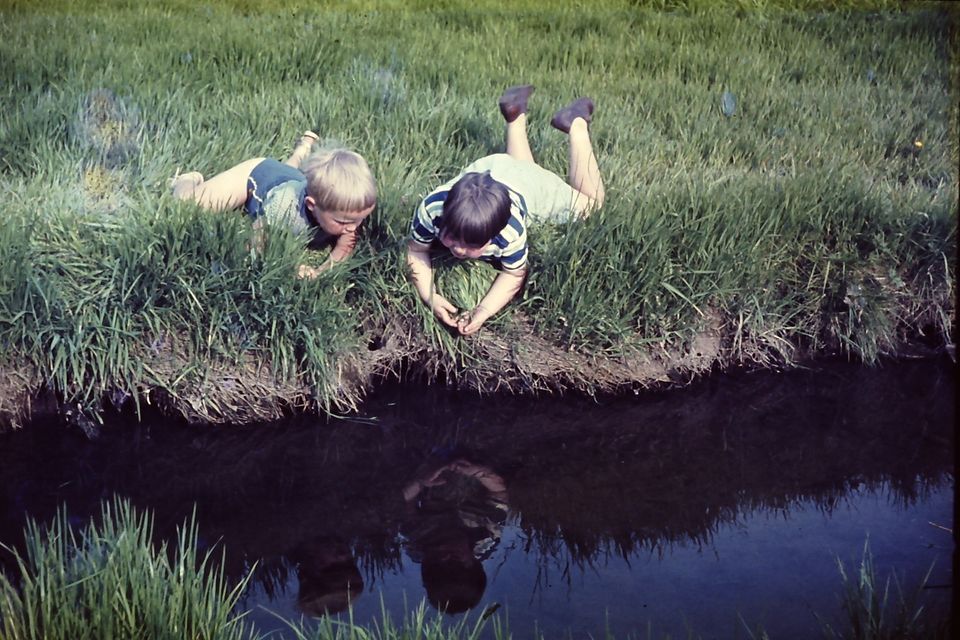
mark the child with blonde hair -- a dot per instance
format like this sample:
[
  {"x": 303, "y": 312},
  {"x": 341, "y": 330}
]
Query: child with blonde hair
[
  {"x": 331, "y": 191},
  {"x": 484, "y": 212}
]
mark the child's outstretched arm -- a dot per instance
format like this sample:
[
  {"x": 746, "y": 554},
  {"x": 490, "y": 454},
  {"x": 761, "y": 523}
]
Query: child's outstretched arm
[
  {"x": 504, "y": 288},
  {"x": 343, "y": 249},
  {"x": 421, "y": 272}
]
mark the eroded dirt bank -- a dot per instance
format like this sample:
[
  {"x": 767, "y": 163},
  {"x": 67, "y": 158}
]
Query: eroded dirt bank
[{"x": 518, "y": 362}]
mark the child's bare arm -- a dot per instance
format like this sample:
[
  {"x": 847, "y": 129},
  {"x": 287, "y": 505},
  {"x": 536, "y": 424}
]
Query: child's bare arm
[
  {"x": 421, "y": 272},
  {"x": 504, "y": 288},
  {"x": 343, "y": 249},
  {"x": 304, "y": 144}
]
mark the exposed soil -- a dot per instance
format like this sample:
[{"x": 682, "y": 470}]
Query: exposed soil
[
  {"x": 19, "y": 386},
  {"x": 518, "y": 361}
]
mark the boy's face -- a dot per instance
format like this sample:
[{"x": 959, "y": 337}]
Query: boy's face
[
  {"x": 337, "y": 223},
  {"x": 461, "y": 250}
]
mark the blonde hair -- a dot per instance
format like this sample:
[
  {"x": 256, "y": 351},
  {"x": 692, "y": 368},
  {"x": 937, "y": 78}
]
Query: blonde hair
[{"x": 339, "y": 180}]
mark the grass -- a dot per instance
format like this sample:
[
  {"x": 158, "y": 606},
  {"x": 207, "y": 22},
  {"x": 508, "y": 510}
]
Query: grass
[
  {"x": 874, "y": 611},
  {"x": 782, "y": 174},
  {"x": 418, "y": 624},
  {"x": 110, "y": 580}
]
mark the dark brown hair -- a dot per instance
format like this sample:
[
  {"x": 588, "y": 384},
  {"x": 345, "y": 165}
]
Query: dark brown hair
[
  {"x": 476, "y": 209},
  {"x": 453, "y": 585}
]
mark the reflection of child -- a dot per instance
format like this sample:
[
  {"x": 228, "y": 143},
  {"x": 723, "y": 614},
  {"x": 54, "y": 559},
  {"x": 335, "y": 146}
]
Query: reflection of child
[
  {"x": 331, "y": 190},
  {"x": 457, "y": 515},
  {"x": 483, "y": 213},
  {"x": 328, "y": 574}
]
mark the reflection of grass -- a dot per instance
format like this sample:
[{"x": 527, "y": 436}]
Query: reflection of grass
[{"x": 110, "y": 580}]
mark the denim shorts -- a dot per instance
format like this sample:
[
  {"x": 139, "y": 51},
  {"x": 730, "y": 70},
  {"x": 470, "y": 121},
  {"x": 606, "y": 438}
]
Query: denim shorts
[{"x": 276, "y": 192}]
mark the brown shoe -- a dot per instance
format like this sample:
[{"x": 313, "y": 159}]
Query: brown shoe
[
  {"x": 513, "y": 102},
  {"x": 579, "y": 108}
]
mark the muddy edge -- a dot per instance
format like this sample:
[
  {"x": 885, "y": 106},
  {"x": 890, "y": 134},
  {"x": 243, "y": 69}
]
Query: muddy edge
[{"x": 520, "y": 363}]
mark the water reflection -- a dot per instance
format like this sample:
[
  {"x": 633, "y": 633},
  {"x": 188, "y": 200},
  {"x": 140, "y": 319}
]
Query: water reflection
[
  {"x": 455, "y": 516},
  {"x": 333, "y": 510},
  {"x": 328, "y": 577}
]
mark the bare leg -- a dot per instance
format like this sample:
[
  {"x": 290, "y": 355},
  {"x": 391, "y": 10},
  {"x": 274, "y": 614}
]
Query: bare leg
[
  {"x": 226, "y": 190},
  {"x": 513, "y": 106},
  {"x": 303, "y": 147},
  {"x": 517, "y": 144},
  {"x": 584, "y": 173}
]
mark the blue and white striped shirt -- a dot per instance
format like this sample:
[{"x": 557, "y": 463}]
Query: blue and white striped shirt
[{"x": 507, "y": 249}]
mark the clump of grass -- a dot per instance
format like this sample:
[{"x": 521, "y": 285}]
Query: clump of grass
[
  {"x": 109, "y": 580},
  {"x": 874, "y": 611},
  {"x": 820, "y": 278},
  {"x": 162, "y": 301},
  {"x": 417, "y": 624}
]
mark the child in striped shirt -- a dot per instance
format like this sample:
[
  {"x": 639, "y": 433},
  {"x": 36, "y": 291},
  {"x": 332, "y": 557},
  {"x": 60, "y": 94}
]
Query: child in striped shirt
[{"x": 483, "y": 213}]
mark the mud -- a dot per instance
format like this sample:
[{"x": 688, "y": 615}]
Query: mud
[{"x": 518, "y": 361}]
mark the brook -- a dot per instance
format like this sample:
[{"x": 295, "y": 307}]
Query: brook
[{"x": 724, "y": 504}]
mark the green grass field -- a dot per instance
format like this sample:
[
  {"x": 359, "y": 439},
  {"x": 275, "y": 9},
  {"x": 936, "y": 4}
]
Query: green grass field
[{"x": 781, "y": 183}]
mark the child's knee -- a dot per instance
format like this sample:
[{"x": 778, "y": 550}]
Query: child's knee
[{"x": 584, "y": 205}]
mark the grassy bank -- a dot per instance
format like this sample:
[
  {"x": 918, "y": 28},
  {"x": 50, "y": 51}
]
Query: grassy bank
[{"x": 781, "y": 183}]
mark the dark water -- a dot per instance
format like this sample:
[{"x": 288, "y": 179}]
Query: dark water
[{"x": 685, "y": 510}]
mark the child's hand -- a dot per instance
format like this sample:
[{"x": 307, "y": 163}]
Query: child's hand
[
  {"x": 470, "y": 322},
  {"x": 306, "y": 272},
  {"x": 435, "y": 479},
  {"x": 465, "y": 467},
  {"x": 445, "y": 310}
]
